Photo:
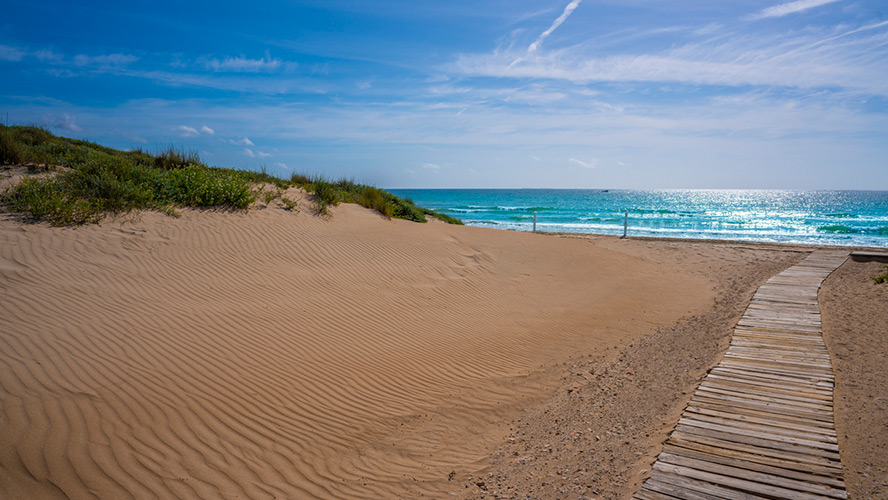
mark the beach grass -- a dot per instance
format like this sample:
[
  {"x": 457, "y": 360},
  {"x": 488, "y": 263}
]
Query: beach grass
[
  {"x": 882, "y": 278},
  {"x": 93, "y": 181},
  {"x": 329, "y": 193}
]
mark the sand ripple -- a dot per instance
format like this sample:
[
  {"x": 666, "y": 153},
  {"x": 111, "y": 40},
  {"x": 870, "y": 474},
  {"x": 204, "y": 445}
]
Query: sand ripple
[{"x": 273, "y": 355}]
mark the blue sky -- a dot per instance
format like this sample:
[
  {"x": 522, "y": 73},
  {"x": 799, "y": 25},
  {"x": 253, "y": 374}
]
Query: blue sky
[{"x": 518, "y": 93}]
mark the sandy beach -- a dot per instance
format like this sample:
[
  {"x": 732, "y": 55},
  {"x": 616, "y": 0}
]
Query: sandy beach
[{"x": 274, "y": 354}]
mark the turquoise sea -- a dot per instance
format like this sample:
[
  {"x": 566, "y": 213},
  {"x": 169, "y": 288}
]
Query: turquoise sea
[{"x": 854, "y": 218}]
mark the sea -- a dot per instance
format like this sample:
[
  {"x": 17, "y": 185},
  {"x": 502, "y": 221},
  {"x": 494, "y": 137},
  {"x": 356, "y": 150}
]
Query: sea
[{"x": 846, "y": 218}]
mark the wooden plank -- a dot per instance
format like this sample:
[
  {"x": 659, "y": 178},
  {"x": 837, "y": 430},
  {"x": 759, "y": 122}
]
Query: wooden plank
[
  {"x": 772, "y": 444},
  {"x": 697, "y": 486},
  {"x": 770, "y": 436},
  {"x": 647, "y": 493},
  {"x": 760, "y": 425},
  {"x": 739, "y": 403},
  {"x": 778, "y": 372},
  {"x": 671, "y": 491},
  {"x": 802, "y": 459},
  {"x": 812, "y": 435},
  {"x": 776, "y": 367},
  {"x": 791, "y": 387},
  {"x": 770, "y": 422},
  {"x": 779, "y": 418},
  {"x": 740, "y": 484},
  {"x": 819, "y": 382},
  {"x": 754, "y": 476},
  {"x": 742, "y": 387},
  {"x": 781, "y": 462},
  {"x": 746, "y": 463},
  {"x": 755, "y": 396}
]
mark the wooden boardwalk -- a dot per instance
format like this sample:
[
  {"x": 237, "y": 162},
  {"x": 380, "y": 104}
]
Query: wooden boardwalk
[{"x": 761, "y": 423}]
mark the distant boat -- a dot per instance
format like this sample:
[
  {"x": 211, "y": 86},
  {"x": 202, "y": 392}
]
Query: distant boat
[{"x": 605, "y": 190}]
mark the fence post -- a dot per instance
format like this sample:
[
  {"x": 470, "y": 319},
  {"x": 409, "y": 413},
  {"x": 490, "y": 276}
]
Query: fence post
[
  {"x": 625, "y": 224},
  {"x": 534, "y": 222}
]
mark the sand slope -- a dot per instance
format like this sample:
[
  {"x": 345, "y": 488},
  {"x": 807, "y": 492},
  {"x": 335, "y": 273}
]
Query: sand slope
[{"x": 278, "y": 355}]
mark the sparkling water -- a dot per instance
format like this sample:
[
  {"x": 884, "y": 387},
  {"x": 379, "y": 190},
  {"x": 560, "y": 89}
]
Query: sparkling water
[{"x": 854, "y": 218}]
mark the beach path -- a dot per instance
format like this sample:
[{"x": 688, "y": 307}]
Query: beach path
[{"x": 761, "y": 423}]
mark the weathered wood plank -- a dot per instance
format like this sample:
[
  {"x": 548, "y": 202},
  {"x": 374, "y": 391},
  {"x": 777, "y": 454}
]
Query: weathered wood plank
[
  {"x": 769, "y": 436},
  {"x": 824, "y": 472},
  {"x": 744, "y": 463},
  {"x": 803, "y": 459},
  {"x": 760, "y": 425},
  {"x": 754, "y": 476},
  {"x": 812, "y": 434},
  {"x": 740, "y": 484},
  {"x": 767, "y": 418},
  {"x": 695, "y": 485}
]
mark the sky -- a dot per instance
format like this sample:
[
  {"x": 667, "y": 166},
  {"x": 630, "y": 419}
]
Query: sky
[{"x": 470, "y": 94}]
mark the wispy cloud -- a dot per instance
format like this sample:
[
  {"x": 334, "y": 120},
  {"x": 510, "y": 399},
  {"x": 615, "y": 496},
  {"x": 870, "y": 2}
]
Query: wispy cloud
[
  {"x": 186, "y": 131},
  {"x": 568, "y": 10},
  {"x": 107, "y": 60},
  {"x": 242, "y": 142},
  {"x": 8, "y": 53},
  {"x": 790, "y": 8},
  {"x": 207, "y": 130},
  {"x": 62, "y": 121},
  {"x": 558, "y": 22},
  {"x": 249, "y": 152},
  {"x": 241, "y": 64},
  {"x": 592, "y": 163},
  {"x": 846, "y": 59}
]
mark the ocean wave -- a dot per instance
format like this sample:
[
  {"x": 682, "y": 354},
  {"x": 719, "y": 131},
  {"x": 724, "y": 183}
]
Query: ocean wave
[{"x": 839, "y": 229}]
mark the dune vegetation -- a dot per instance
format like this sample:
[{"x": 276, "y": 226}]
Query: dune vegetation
[{"x": 79, "y": 182}]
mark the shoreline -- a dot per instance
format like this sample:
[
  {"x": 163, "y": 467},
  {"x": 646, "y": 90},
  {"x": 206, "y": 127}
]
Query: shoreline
[
  {"x": 351, "y": 356},
  {"x": 758, "y": 244}
]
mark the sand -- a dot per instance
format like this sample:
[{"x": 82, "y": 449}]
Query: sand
[
  {"x": 273, "y": 354},
  {"x": 855, "y": 328}
]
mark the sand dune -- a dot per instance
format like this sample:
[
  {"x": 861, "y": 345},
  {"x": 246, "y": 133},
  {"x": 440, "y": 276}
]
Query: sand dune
[{"x": 278, "y": 355}]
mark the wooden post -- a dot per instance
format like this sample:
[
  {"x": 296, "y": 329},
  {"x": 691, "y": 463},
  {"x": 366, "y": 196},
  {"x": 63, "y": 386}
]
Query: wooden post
[
  {"x": 534, "y": 222},
  {"x": 625, "y": 224}
]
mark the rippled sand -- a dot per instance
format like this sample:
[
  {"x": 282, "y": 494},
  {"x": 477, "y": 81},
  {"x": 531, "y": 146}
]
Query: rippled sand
[{"x": 273, "y": 354}]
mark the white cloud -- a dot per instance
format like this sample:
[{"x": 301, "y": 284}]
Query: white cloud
[
  {"x": 568, "y": 10},
  {"x": 828, "y": 57},
  {"x": 263, "y": 154},
  {"x": 563, "y": 17},
  {"x": 62, "y": 121},
  {"x": 104, "y": 60},
  {"x": 790, "y": 8},
  {"x": 431, "y": 166},
  {"x": 244, "y": 65},
  {"x": 8, "y": 53},
  {"x": 187, "y": 131},
  {"x": 46, "y": 55},
  {"x": 207, "y": 130},
  {"x": 363, "y": 84},
  {"x": 282, "y": 165},
  {"x": 592, "y": 163},
  {"x": 242, "y": 142},
  {"x": 249, "y": 152}
]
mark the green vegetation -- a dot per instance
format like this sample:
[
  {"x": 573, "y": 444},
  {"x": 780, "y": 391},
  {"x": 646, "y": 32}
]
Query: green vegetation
[
  {"x": 882, "y": 278},
  {"x": 330, "y": 193},
  {"x": 92, "y": 181}
]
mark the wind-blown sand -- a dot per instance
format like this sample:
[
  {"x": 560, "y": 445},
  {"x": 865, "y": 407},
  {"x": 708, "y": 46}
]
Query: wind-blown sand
[{"x": 272, "y": 354}]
